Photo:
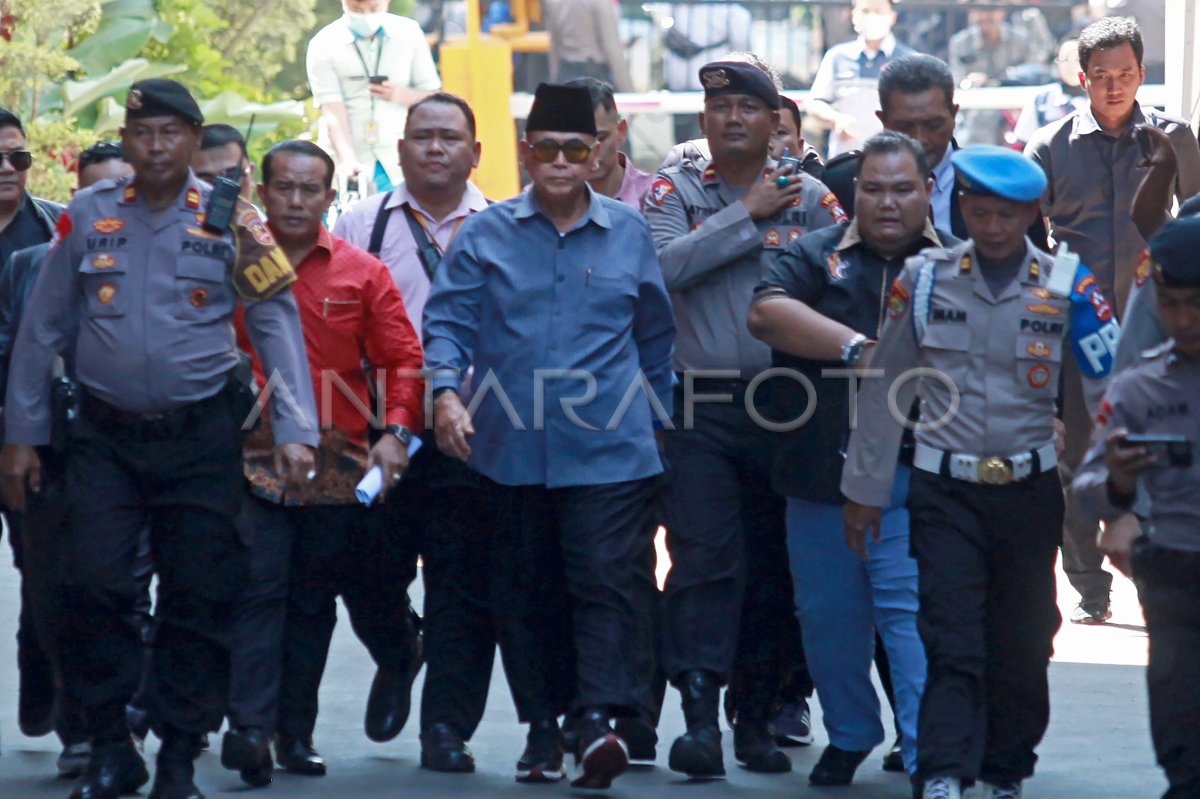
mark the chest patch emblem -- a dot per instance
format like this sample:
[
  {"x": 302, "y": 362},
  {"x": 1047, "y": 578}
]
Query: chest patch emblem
[
  {"x": 837, "y": 267},
  {"x": 106, "y": 293},
  {"x": 1039, "y": 376},
  {"x": 110, "y": 224},
  {"x": 104, "y": 261},
  {"x": 1045, "y": 309}
]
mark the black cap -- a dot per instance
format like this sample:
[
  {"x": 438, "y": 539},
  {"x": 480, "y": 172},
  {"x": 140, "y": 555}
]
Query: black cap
[
  {"x": 1173, "y": 253},
  {"x": 562, "y": 109},
  {"x": 162, "y": 97},
  {"x": 738, "y": 77}
]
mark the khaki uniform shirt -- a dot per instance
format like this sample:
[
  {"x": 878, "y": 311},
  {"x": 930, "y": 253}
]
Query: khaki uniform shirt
[
  {"x": 147, "y": 298},
  {"x": 1160, "y": 395},
  {"x": 714, "y": 255},
  {"x": 1000, "y": 356}
]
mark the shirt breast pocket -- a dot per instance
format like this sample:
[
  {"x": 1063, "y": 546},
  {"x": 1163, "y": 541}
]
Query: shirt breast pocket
[
  {"x": 948, "y": 348},
  {"x": 609, "y": 299},
  {"x": 102, "y": 280},
  {"x": 342, "y": 316},
  {"x": 200, "y": 286},
  {"x": 1039, "y": 360}
]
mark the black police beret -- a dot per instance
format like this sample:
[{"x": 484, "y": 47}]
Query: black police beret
[
  {"x": 562, "y": 109},
  {"x": 161, "y": 97},
  {"x": 738, "y": 77},
  {"x": 1173, "y": 252}
]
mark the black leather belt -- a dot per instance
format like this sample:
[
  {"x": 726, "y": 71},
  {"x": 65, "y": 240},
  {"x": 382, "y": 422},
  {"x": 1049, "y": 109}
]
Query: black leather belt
[{"x": 161, "y": 424}]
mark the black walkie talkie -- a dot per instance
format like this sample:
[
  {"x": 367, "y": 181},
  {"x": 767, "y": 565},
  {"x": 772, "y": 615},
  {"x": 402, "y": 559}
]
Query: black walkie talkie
[{"x": 222, "y": 201}]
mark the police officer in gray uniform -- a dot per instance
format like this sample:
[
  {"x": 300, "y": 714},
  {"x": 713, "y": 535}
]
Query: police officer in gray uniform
[
  {"x": 142, "y": 283},
  {"x": 993, "y": 317},
  {"x": 715, "y": 224},
  {"x": 1161, "y": 397}
]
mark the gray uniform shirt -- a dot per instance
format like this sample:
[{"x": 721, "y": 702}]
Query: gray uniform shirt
[
  {"x": 148, "y": 299},
  {"x": 1002, "y": 356},
  {"x": 1159, "y": 395},
  {"x": 713, "y": 255},
  {"x": 1092, "y": 179}
]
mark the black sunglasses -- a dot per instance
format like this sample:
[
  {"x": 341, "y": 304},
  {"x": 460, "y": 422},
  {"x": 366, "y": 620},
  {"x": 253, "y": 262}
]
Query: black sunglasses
[
  {"x": 20, "y": 159},
  {"x": 576, "y": 151}
]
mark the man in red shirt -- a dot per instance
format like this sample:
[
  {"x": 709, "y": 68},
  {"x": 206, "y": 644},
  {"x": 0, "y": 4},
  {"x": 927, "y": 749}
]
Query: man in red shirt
[{"x": 352, "y": 313}]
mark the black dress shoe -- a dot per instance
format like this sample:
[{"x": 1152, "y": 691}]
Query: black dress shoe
[
  {"x": 443, "y": 749},
  {"x": 174, "y": 774},
  {"x": 247, "y": 751},
  {"x": 894, "y": 760},
  {"x": 641, "y": 738},
  {"x": 836, "y": 766},
  {"x": 391, "y": 699},
  {"x": 755, "y": 748},
  {"x": 296, "y": 755},
  {"x": 114, "y": 769}
]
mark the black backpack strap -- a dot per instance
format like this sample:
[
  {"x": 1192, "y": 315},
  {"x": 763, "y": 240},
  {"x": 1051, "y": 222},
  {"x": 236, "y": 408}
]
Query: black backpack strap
[
  {"x": 380, "y": 226},
  {"x": 427, "y": 250}
]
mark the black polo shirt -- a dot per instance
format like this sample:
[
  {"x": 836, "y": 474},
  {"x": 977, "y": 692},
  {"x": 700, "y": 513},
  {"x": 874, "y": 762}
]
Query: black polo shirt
[
  {"x": 25, "y": 230},
  {"x": 836, "y": 274}
]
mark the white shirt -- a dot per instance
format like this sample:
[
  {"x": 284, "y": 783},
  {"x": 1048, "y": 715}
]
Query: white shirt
[
  {"x": 848, "y": 79},
  {"x": 943, "y": 191},
  {"x": 719, "y": 28},
  {"x": 336, "y": 74}
]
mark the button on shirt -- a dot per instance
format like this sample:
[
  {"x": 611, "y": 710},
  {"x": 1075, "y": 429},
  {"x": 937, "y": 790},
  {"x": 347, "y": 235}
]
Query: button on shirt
[
  {"x": 524, "y": 304},
  {"x": 398, "y": 249},
  {"x": 848, "y": 79},
  {"x": 351, "y": 312},
  {"x": 336, "y": 74},
  {"x": 1092, "y": 179},
  {"x": 1003, "y": 355},
  {"x": 147, "y": 297},
  {"x": 1159, "y": 396},
  {"x": 713, "y": 255}
]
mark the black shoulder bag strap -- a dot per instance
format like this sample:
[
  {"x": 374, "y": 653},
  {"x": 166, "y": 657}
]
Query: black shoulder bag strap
[
  {"x": 427, "y": 250},
  {"x": 377, "y": 230}
]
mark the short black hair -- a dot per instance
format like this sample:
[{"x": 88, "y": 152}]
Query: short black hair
[
  {"x": 890, "y": 141},
  {"x": 790, "y": 106},
  {"x": 10, "y": 120},
  {"x": 297, "y": 147},
  {"x": 448, "y": 99},
  {"x": 600, "y": 92},
  {"x": 100, "y": 152},
  {"x": 915, "y": 73},
  {"x": 1110, "y": 32},
  {"x": 219, "y": 135}
]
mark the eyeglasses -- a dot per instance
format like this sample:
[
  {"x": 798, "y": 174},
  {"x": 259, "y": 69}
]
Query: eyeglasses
[
  {"x": 20, "y": 159},
  {"x": 576, "y": 151},
  {"x": 233, "y": 173}
]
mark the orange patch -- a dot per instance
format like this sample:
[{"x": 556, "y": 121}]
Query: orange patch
[
  {"x": 130, "y": 194},
  {"x": 1039, "y": 376},
  {"x": 1040, "y": 293},
  {"x": 257, "y": 227},
  {"x": 794, "y": 234},
  {"x": 837, "y": 267},
  {"x": 772, "y": 238},
  {"x": 193, "y": 199},
  {"x": 660, "y": 190},
  {"x": 831, "y": 204},
  {"x": 1142, "y": 273},
  {"x": 110, "y": 224},
  {"x": 1045, "y": 309},
  {"x": 104, "y": 261},
  {"x": 106, "y": 293},
  {"x": 1038, "y": 349},
  {"x": 199, "y": 298}
]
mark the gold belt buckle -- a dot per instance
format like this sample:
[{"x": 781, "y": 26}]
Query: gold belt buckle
[{"x": 995, "y": 471}]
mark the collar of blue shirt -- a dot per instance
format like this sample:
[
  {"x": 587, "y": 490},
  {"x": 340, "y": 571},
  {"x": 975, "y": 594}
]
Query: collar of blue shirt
[{"x": 528, "y": 207}]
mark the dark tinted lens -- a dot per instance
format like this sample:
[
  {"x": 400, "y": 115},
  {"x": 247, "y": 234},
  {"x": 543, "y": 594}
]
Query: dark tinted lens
[
  {"x": 20, "y": 159},
  {"x": 546, "y": 151},
  {"x": 576, "y": 151}
]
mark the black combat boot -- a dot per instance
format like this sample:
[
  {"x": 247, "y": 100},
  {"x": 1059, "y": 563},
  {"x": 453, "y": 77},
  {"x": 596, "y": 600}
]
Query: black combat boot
[
  {"x": 174, "y": 770},
  {"x": 697, "y": 753}
]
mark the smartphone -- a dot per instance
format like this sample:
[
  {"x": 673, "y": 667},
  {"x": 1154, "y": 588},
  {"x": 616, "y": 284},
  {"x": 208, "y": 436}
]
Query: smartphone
[
  {"x": 222, "y": 202},
  {"x": 378, "y": 79},
  {"x": 1171, "y": 450},
  {"x": 789, "y": 160}
]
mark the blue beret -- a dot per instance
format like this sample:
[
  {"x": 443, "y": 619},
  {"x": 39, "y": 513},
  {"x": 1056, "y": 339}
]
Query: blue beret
[
  {"x": 738, "y": 77},
  {"x": 1173, "y": 253},
  {"x": 988, "y": 169}
]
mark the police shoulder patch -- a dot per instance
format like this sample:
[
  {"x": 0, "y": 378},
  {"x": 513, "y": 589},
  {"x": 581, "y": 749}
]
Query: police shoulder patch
[
  {"x": 62, "y": 229},
  {"x": 261, "y": 270},
  {"x": 660, "y": 190},
  {"x": 898, "y": 303},
  {"x": 1142, "y": 273},
  {"x": 830, "y": 202}
]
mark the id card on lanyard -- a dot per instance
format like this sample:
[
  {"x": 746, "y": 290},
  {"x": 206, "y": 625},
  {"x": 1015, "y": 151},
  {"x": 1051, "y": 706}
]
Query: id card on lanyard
[{"x": 371, "y": 127}]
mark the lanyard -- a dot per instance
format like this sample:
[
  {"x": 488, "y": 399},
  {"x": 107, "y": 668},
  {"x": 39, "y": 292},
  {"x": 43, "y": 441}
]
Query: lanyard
[
  {"x": 424, "y": 226},
  {"x": 362, "y": 60}
]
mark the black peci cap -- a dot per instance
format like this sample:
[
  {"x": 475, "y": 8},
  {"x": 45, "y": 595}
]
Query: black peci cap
[
  {"x": 162, "y": 97},
  {"x": 738, "y": 77},
  {"x": 562, "y": 109}
]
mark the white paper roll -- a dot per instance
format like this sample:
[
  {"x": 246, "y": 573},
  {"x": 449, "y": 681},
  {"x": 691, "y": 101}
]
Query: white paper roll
[{"x": 372, "y": 483}]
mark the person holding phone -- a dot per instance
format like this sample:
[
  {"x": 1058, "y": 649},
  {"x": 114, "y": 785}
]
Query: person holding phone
[{"x": 1142, "y": 449}]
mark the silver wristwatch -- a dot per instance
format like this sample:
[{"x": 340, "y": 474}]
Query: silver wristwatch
[{"x": 852, "y": 350}]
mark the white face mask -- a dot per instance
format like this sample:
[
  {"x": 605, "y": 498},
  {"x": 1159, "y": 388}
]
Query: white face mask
[
  {"x": 873, "y": 27},
  {"x": 365, "y": 25}
]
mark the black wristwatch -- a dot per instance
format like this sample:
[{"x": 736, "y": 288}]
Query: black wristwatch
[
  {"x": 401, "y": 432},
  {"x": 437, "y": 392}
]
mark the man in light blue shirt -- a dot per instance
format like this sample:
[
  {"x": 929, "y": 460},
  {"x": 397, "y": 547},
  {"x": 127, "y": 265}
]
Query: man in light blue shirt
[{"x": 556, "y": 298}]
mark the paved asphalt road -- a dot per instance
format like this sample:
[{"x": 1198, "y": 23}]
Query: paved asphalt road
[{"x": 1097, "y": 748}]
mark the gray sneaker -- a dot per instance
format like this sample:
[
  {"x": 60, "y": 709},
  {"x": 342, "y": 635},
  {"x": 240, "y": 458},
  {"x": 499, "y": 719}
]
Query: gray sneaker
[
  {"x": 1007, "y": 790},
  {"x": 943, "y": 788}
]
